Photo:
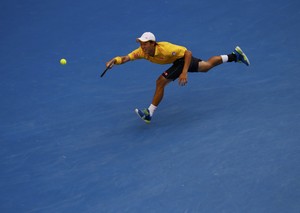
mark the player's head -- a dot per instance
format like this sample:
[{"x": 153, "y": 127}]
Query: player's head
[{"x": 148, "y": 43}]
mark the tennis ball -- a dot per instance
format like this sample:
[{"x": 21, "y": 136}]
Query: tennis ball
[{"x": 63, "y": 61}]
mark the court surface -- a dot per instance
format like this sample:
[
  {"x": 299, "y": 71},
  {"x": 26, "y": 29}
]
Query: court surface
[{"x": 70, "y": 141}]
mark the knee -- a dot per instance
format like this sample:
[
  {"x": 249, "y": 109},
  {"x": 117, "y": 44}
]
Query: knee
[
  {"x": 204, "y": 70},
  {"x": 161, "y": 81},
  {"x": 204, "y": 66}
]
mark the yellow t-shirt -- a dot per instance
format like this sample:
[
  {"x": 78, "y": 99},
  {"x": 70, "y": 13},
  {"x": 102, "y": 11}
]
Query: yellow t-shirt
[{"x": 165, "y": 53}]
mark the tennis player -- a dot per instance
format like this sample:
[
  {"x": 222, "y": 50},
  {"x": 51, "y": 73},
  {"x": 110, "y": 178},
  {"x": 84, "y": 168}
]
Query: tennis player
[{"x": 182, "y": 62}]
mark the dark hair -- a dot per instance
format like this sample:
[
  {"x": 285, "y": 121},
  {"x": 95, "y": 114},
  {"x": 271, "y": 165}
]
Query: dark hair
[{"x": 152, "y": 42}]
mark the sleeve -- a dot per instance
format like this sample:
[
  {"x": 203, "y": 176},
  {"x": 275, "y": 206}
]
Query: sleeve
[{"x": 136, "y": 54}]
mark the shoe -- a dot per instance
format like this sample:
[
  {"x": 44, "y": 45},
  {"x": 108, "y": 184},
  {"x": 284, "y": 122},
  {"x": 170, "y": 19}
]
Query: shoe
[
  {"x": 144, "y": 115},
  {"x": 241, "y": 56}
]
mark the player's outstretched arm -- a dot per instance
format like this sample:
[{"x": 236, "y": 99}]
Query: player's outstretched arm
[{"x": 117, "y": 60}]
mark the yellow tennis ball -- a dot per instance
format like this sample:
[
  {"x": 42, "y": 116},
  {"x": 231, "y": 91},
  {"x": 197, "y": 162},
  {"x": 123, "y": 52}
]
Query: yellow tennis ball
[{"x": 63, "y": 61}]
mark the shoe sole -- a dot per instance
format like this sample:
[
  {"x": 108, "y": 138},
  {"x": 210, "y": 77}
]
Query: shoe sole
[{"x": 240, "y": 51}]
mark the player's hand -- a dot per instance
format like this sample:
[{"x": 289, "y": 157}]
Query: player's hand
[
  {"x": 110, "y": 63},
  {"x": 182, "y": 79}
]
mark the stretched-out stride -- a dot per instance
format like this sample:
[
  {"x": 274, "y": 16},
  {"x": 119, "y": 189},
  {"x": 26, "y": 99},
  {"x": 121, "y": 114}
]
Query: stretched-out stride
[{"x": 182, "y": 62}]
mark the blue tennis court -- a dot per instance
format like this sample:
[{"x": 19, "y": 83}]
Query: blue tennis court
[{"x": 71, "y": 142}]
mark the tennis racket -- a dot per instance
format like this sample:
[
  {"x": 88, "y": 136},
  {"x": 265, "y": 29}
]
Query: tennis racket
[{"x": 107, "y": 68}]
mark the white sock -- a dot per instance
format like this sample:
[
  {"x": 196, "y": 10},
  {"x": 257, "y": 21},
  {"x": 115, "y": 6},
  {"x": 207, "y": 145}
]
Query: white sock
[
  {"x": 151, "y": 109},
  {"x": 224, "y": 58}
]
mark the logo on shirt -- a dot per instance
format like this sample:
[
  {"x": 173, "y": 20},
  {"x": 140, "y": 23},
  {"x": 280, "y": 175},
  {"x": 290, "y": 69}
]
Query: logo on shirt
[
  {"x": 136, "y": 55},
  {"x": 173, "y": 53}
]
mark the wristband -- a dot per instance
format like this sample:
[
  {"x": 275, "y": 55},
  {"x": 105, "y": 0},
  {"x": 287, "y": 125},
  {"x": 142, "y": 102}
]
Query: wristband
[{"x": 118, "y": 60}]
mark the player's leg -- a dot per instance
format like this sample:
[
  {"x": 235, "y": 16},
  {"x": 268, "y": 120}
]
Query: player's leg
[
  {"x": 146, "y": 114},
  {"x": 161, "y": 82},
  {"x": 205, "y": 66},
  {"x": 236, "y": 56}
]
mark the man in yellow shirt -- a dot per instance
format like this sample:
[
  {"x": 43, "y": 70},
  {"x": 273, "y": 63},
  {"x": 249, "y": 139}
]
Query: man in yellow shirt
[{"x": 182, "y": 60}]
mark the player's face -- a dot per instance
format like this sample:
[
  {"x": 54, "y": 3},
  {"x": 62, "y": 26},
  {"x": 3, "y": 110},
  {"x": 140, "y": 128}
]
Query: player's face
[{"x": 148, "y": 47}]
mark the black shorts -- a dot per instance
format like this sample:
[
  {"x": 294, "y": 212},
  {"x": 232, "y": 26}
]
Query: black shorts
[{"x": 176, "y": 69}]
